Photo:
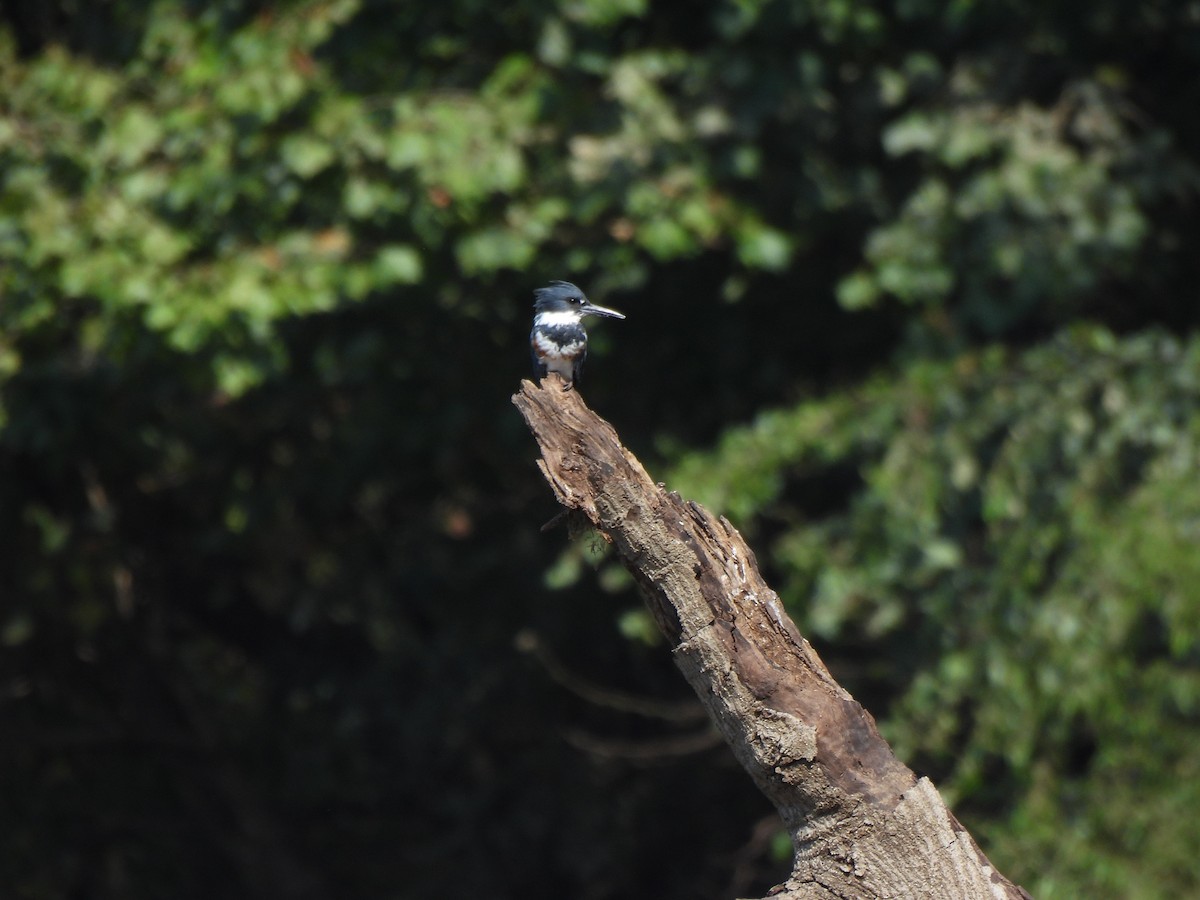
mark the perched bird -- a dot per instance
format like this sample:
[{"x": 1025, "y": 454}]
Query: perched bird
[{"x": 558, "y": 340}]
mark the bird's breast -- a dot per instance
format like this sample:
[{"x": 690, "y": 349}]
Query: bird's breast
[{"x": 556, "y": 343}]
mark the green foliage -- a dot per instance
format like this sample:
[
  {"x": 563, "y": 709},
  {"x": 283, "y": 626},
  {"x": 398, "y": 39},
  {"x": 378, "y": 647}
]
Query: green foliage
[
  {"x": 1015, "y": 553},
  {"x": 1021, "y": 207},
  {"x": 264, "y": 276}
]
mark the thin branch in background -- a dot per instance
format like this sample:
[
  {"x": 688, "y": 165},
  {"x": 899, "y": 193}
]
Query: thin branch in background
[{"x": 528, "y": 642}]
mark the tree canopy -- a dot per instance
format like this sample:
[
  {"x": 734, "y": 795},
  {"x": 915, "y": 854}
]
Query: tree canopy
[{"x": 910, "y": 298}]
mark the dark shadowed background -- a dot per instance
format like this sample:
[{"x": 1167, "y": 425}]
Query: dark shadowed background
[{"x": 911, "y": 297}]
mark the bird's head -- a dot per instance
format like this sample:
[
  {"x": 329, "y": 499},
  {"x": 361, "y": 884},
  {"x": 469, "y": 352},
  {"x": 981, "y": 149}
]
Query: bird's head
[{"x": 564, "y": 300}]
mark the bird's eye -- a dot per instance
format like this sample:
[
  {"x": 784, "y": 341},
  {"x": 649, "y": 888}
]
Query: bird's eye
[{"x": 576, "y": 300}]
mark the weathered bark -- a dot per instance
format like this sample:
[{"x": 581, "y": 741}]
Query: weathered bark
[{"x": 862, "y": 823}]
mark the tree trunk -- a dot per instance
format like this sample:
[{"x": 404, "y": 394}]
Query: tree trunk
[{"x": 862, "y": 824}]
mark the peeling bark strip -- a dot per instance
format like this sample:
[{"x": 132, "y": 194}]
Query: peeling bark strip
[{"x": 863, "y": 825}]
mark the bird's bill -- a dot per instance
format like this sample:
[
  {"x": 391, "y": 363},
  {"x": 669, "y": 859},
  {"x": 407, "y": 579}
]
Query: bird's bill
[{"x": 593, "y": 310}]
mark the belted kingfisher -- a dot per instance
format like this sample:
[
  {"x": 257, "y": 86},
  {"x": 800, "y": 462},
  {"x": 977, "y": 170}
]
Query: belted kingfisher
[{"x": 558, "y": 340}]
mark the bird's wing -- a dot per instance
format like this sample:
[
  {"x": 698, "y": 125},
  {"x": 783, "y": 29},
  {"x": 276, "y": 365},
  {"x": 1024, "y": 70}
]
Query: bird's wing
[
  {"x": 539, "y": 368},
  {"x": 577, "y": 366}
]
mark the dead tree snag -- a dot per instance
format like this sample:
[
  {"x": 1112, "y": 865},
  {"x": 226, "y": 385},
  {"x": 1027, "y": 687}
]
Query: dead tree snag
[{"x": 863, "y": 825}]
